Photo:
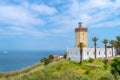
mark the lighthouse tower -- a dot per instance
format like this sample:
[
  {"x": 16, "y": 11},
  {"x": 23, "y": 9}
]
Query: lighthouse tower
[{"x": 81, "y": 36}]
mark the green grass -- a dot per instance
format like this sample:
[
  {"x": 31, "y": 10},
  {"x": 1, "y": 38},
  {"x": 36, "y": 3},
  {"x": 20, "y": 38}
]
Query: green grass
[{"x": 62, "y": 70}]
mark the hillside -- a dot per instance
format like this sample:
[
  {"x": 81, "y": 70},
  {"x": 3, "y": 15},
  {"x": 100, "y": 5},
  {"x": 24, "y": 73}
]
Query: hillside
[{"x": 65, "y": 70}]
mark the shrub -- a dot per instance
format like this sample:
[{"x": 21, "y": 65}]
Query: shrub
[
  {"x": 45, "y": 61},
  {"x": 65, "y": 55},
  {"x": 107, "y": 76},
  {"x": 51, "y": 58},
  {"x": 105, "y": 61},
  {"x": 87, "y": 71},
  {"x": 90, "y": 60},
  {"x": 115, "y": 66},
  {"x": 71, "y": 75},
  {"x": 69, "y": 59},
  {"x": 104, "y": 78}
]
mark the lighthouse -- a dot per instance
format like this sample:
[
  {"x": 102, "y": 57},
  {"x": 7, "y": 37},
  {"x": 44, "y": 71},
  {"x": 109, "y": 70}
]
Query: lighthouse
[{"x": 81, "y": 36}]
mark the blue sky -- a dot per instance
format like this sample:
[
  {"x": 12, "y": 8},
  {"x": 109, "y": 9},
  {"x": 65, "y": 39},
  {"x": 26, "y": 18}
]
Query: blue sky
[{"x": 50, "y": 24}]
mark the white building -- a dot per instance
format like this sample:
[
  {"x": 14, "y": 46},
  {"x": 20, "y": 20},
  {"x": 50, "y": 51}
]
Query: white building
[
  {"x": 81, "y": 37},
  {"x": 74, "y": 53}
]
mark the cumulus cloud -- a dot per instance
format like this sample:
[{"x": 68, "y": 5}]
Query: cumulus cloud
[
  {"x": 23, "y": 18},
  {"x": 33, "y": 20},
  {"x": 95, "y": 11},
  {"x": 59, "y": 19},
  {"x": 44, "y": 9}
]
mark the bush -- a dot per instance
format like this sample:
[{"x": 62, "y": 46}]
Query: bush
[
  {"x": 45, "y": 61},
  {"x": 69, "y": 59},
  {"x": 90, "y": 60},
  {"x": 105, "y": 61},
  {"x": 115, "y": 66},
  {"x": 51, "y": 57},
  {"x": 107, "y": 76},
  {"x": 65, "y": 55},
  {"x": 71, "y": 75},
  {"x": 87, "y": 71},
  {"x": 104, "y": 78}
]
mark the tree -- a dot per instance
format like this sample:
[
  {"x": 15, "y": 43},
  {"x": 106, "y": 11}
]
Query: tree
[
  {"x": 81, "y": 51},
  {"x": 95, "y": 40},
  {"x": 116, "y": 47},
  {"x": 51, "y": 57},
  {"x": 65, "y": 55},
  {"x": 105, "y": 42},
  {"x": 45, "y": 61},
  {"x": 118, "y": 42},
  {"x": 112, "y": 42},
  {"x": 115, "y": 66}
]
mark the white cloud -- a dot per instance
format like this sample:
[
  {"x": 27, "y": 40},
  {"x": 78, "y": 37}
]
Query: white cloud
[
  {"x": 44, "y": 9},
  {"x": 18, "y": 15},
  {"x": 91, "y": 12},
  {"x": 96, "y": 13},
  {"x": 20, "y": 31},
  {"x": 23, "y": 19}
]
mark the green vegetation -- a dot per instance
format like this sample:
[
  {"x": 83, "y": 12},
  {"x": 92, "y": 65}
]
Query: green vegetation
[
  {"x": 105, "y": 61},
  {"x": 65, "y": 55},
  {"x": 23, "y": 71},
  {"x": 115, "y": 70},
  {"x": 117, "y": 44},
  {"x": 91, "y": 60},
  {"x": 47, "y": 60},
  {"x": 112, "y": 44},
  {"x": 67, "y": 70}
]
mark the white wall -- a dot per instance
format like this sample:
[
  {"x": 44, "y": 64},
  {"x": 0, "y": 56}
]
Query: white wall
[{"x": 74, "y": 53}]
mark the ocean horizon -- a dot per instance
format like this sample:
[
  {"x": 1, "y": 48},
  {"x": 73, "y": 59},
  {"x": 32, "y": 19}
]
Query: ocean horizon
[{"x": 12, "y": 60}]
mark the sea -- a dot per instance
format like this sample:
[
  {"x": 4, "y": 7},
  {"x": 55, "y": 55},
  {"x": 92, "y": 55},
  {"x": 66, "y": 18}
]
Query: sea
[{"x": 16, "y": 60}]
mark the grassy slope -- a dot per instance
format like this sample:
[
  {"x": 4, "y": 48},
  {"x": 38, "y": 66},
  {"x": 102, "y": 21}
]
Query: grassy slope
[{"x": 65, "y": 70}]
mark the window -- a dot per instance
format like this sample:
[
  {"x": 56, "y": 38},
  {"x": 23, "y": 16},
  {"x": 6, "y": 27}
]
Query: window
[
  {"x": 87, "y": 53},
  {"x": 70, "y": 52},
  {"x": 76, "y": 52},
  {"x": 83, "y": 33},
  {"x": 99, "y": 52},
  {"x": 110, "y": 52}
]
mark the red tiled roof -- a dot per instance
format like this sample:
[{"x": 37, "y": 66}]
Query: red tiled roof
[{"x": 80, "y": 29}]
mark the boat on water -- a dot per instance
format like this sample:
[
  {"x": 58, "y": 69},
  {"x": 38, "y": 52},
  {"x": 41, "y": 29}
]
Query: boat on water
[{"x": 5, "y": 52}]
